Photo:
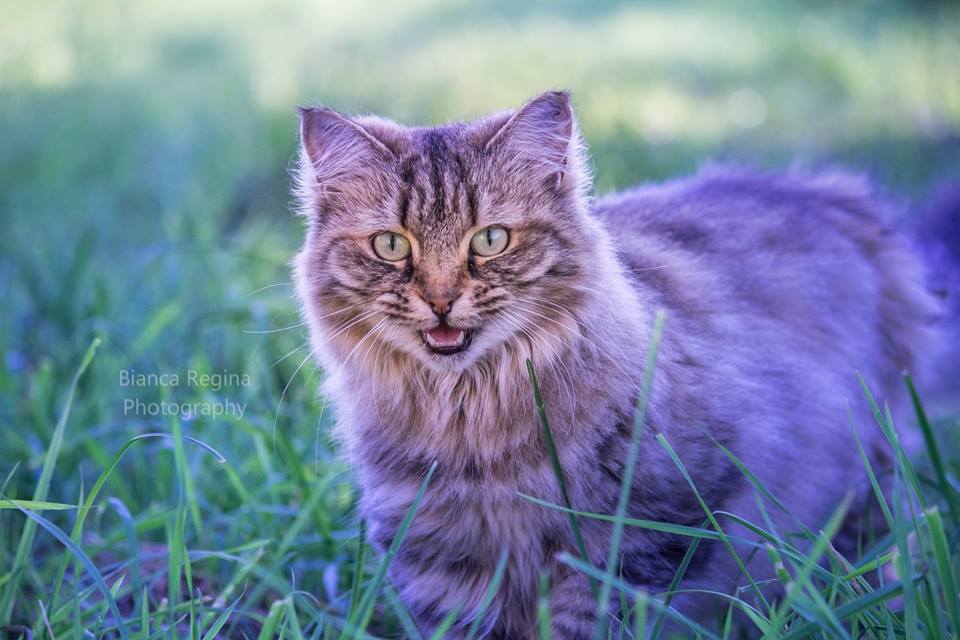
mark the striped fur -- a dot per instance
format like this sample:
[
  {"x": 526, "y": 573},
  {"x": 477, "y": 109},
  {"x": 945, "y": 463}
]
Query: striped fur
[{"x": 776, "y": 289}]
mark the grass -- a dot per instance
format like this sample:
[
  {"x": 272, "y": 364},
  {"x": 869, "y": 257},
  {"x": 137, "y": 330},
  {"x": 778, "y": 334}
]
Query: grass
[{"x": 144, "y": 201}]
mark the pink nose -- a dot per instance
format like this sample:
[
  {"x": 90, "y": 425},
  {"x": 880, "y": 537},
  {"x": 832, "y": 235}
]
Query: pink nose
[{"x": 441, "y": 304}]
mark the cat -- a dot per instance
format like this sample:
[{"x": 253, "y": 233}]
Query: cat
[{"x": 438, "y": 260}]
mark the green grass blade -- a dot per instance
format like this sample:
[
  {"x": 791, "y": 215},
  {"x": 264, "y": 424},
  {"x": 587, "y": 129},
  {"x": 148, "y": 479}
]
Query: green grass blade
[
  {"x": 599, "y": 575},
  {"x": 145, "y": 613},
  {"x": 543, "y": 606},
  {"x": 801, "y": 578},
  {"x": 933, "y": 450},
  {"x": 558, "y": 469},
  {"x": 406, "y": 620},
  {"x": 274, "y": 616},
  {"x": 757, "y": 484},
  {"x": 674, "y": 585},
  {"x": 87, "y": 563},
  {"x": 359, "y": 619},
  {"x": 847, "y": 610},
  {"x": 941, "y": 557},
  {"x": 358, "y": 568},
  {"x": 441, "y": 631},
  {"x": 77, "y": 530},
  {"x": 652, "y": 525},
  {"x": 25, "y": 545},
  {"x": 713, "y": 520},
  {"x": 626, "y": 483},
  {"x": 903, "y": 561},
  {"x": 292, "y": 619},
  {"x": 489, "y": 595},
  {"x": 38, "y": 505},
  {"x": 221, "y": 620}
]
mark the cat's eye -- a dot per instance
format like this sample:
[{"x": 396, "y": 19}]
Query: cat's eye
[
  {"x": 490, "y": 241},
  {"x": 391, "y": 246}
]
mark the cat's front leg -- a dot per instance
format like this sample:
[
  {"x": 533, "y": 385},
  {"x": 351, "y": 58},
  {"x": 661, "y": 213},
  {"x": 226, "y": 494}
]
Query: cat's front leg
[{"x": 573, "y": 609}]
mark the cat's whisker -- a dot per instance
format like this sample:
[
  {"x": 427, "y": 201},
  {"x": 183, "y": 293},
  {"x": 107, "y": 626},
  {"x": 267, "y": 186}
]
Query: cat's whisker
[
  {"x": 376, "y": 358},
  {"x": 337, "y": 312},
  {"x": 289, "y": 353},
  {"x": 344, "y": 326},
  {"x": 271, "y": 286},
  {"x": 316, "y": 445},
  {"x": 363, "y": 339},
  {"x": 301, "y": 323},
  {"x": 530, "y": 331},
  {"x": 263, "y": 331},
  {"x": 639, "y": 269},
  {"x": 283, "y": 394},
  {"x": 556, "y": 305},
  {"x": 569, "y": 376},
  {"x": 579, "y": 334},
  {"x": 553, "y": 360}
]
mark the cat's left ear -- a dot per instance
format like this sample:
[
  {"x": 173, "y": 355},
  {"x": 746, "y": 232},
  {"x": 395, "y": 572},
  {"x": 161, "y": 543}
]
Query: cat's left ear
[
  {"x": 343, "y": 158},
  {"x": 541, "y": 138}
]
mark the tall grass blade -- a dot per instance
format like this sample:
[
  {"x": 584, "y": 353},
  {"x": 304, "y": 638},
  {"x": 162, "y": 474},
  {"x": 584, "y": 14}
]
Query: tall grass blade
[
  {"x": 713, "y": 520},
  {"x": 447, "y": 623},
  {"x": 221, "y": 620},
  {"x": 358, "y": 568},
  {"x": 626, "y": 483},
  {"x": 558, "y": 469},
  {"x": 933, "y": 450},
  {"x": 77, "y": 530},
  {"x": 489, "y": 595},
  {"x": 674, "y": 585},
  {"x": 406, "y": 620},
  {"x": 361, "y": 616},
  {"x": 941, "y": 557},
  {"x": 652, "y": 525},
  {"x": 847, "y": 610},
  {"x": 671, "y": 613},
  {"x": 91, "y": 568},
  {"x": 25, "y": 545},
  {"x": 544, "y": 618}
]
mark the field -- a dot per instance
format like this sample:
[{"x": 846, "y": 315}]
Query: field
[{"x": 147, "y": 230}]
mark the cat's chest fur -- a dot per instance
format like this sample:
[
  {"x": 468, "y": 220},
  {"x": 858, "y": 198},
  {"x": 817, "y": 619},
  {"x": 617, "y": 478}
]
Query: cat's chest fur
[{"x": 483, "y": 431}]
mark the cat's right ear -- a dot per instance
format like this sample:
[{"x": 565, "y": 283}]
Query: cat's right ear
[{"x": 338, "y": 156}]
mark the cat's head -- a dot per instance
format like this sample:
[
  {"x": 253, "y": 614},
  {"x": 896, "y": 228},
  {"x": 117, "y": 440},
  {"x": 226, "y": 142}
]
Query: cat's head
[{"x": 444, "y": 243}]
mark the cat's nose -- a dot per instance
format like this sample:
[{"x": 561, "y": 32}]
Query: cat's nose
[{"x": 441, "y": 304}]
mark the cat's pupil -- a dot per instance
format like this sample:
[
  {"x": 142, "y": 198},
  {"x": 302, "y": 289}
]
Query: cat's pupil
[
  {"x": 393, "y": 241},
  {"x": 489, "y": 235}
]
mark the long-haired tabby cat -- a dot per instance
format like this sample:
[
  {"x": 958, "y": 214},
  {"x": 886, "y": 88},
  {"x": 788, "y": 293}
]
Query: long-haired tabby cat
[{"x": 439, "y": 259}]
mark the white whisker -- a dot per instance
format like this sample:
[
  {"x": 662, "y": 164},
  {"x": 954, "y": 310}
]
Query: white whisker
[
  {"x": 276, "y": 416},
  {"x": 258, "y": 332},
  {"x": 270, "y": 286},
  {"x": 290, "y": 353}
]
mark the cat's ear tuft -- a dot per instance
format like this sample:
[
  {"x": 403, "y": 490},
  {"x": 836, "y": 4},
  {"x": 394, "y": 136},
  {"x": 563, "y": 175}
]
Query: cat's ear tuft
[
  {"x": 345, "y": 163},
  {"x": 336, "y": 148},
  {"x": 542, "y": 137}
]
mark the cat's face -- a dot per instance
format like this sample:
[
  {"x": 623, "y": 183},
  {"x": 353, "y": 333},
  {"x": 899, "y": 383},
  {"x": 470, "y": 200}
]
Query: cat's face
[{"x": 443, "y": 243}]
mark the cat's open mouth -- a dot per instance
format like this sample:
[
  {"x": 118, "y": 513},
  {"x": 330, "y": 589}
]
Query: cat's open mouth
[{"x": 446, "y": 340}]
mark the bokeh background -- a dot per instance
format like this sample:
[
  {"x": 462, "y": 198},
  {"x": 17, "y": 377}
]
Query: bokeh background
[{"x": 144, "y": 198}]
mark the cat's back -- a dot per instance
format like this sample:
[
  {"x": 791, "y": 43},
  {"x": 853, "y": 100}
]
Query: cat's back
[
  {"x": 806, "y": 263},
  {"x": 732, "y": 212}
]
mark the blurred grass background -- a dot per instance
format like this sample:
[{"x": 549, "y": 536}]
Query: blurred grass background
[{"x": 144, "y": 156}]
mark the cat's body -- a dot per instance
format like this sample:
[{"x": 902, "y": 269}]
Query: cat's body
[{"x": 776, "y": 290}]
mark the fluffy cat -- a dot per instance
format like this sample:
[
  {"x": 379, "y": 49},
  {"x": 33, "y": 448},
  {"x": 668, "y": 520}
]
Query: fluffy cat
[{"x": 439, "y": 259}]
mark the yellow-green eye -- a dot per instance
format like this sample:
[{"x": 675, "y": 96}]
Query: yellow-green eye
[
  {"x": 490, "y": 241},
  {"x": 391, "y": 246}
]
